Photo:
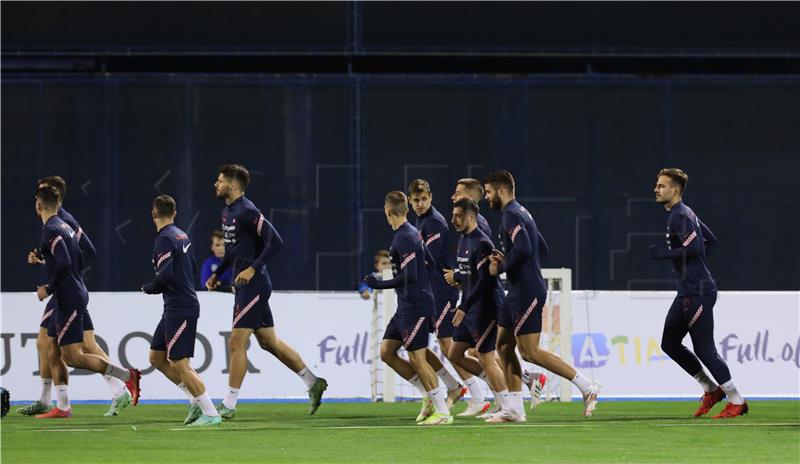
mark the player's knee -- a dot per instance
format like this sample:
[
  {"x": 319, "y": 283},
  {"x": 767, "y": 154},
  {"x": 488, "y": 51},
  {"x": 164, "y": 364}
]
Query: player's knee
[
  {"x": 42, "y": 346},
  {"x": 668, "y": 346},
  {"x": 530, "y": 354},
  {"x": 506, "y": 350},
  {"x": 71, "y": 357},
  {"x": 707, "y": 355},
  {"x": 235, "y": 345},
  {"x": 455, "y": 353},
  {"x": 179, "y": 365},
  {"x": 88, "y": 346},
  {"x": 387, "y": 354},
  {"x": 157, "y": 359},
  {"x": 268, "y": 345}
]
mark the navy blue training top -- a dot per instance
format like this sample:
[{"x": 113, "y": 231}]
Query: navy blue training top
[
  {"x": 62, "y": 262},
  {"x": 414, "y": 296},
  {"x": 174, "y": 265},
  {"x": 688, "y": 244},
  {"x": 250, "y": 241},
  {"x": 523, "y": 247},
  {"x": 480, "y": 290},
  {"x": 484, "y": 227},
  {"x": 88, "y": 251},
  {"x": 435, "y": 234}
]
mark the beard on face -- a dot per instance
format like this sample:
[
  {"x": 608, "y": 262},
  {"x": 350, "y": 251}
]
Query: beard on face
[{"x": 494, "y": 202}]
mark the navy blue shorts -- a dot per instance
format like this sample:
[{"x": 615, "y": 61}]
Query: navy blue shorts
[
  {"x": 49, "y": 319},
  {"x": 525, "y": 309},
  {"x": 251, "y": 309},
  {"x": 444, "y": 312},
  {"x": 68, "y": 326},
  {"x": 413, "y": 330},
  {"x": 478, "y": 330},
  {"x": 175, "y": 335}
]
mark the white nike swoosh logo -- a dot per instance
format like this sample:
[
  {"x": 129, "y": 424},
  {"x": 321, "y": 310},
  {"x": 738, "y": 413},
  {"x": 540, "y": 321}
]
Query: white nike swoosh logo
[
  {"x": 71, "y": 234},
  {"x": 186, "y": 247}
]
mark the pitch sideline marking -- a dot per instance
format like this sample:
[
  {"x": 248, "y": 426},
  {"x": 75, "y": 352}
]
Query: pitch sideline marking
[
  {"x": 71, "y": 430},
  {"x": 363, "y": 427}
]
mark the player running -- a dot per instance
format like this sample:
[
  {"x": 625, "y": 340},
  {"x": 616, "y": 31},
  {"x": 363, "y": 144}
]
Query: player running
[
  {"x": 472, "y": 189},
  {"x": 250, "y": 242},
  {"x": 475, "y": 319},
  {"x": 521, "y": 318},
  {"x": 173, "y": 340},
  {"x": 435, "y": 233},
  {"x": 411, "y": 325},
  {"x": 688, "y": 244},
  {"x": 535, "y": 381},
  {"x": 56, "y": 374},
  {"x": 62, "y": 260}
]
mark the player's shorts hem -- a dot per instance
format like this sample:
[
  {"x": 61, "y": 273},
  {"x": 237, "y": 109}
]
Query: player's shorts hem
[
  {"x": 528, "y": 320},
  {"x": 252, "y": 311}
]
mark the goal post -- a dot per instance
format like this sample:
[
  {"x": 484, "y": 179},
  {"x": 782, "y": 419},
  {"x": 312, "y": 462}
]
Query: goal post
[
  {"x": 557, "y": 327},
  {"x": 556, "y": 337},
  {"x": 384, "y": 305}
]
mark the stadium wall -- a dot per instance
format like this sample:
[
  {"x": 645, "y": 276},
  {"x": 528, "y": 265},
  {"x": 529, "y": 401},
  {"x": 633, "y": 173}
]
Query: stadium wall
[
  {"x": 324, "y": 150},
  {"x": 616, "y": 337}
]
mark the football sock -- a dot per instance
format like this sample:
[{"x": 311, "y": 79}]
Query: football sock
[{"x": 230, "y": 398}]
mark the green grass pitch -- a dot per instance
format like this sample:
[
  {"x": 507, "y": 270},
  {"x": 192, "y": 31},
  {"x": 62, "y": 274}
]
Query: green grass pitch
[{"x": 642, "y": 432}]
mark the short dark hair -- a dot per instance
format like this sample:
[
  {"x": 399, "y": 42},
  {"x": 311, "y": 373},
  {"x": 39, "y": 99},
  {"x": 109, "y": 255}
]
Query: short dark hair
[
  {"x": 48, "y": 196},
  {"x": 468, "y": 205},
  {"x": 500, "y": 179},
  {"x": 164, "y": 206},
  {"x": 677, "y": 176},
  {"x": 382, "y": 254},
  {"x": 472, "y": 185},
  {"x": 398, "y": 202},
  {"x": 236, "y": 172},
  {"x": 419, "y": 186},
  {"x": 216, "y": 233},
  {"x": 56, "y": 181}
]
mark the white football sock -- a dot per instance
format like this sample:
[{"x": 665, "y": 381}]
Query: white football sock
[
  {"x": 230, "y": 398},
  {"x": 705, "y": 381},
  {"x": 47, "y": 392},
  {"x": 583, "y": 384},
  {"x": 206, "y": 405},
  {"x": 185, "y": 389},
  {"x": 439, "y": 399},
  {"x": 475, "y": 390},
  {"x": 449, "y": 381},
  {"x": 499, "y": 397},
  {"x": 118, "y": 372},
  {"x": 116, "y": 385},
  {"x": 62, "y": 397},
  {"x": 515, "y": 403},
  {"x": 307, "y": 376},
  {"x": 734, "y": 397}
]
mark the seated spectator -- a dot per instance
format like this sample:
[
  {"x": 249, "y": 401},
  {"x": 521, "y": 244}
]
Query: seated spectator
[
  {"x": 382, "y": 261},
  {"x": 212, "y": 262}
]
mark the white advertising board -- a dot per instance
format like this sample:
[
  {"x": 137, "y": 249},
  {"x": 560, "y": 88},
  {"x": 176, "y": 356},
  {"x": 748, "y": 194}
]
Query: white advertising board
[{"x": 616, "y": 339}]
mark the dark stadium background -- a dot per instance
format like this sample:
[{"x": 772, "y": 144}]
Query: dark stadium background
[{"x": 332, "y": 104}]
